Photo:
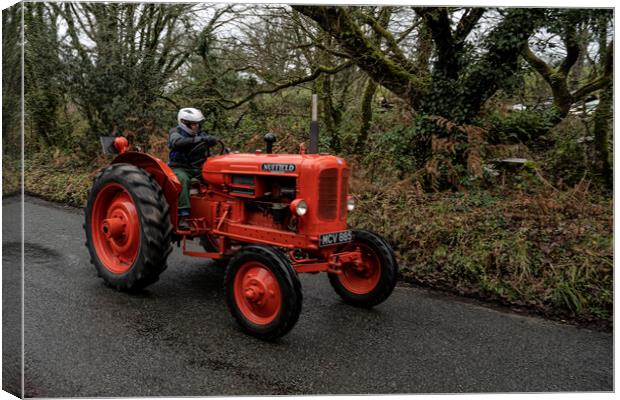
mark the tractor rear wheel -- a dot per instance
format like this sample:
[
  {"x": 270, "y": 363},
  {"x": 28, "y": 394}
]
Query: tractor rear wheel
[
  {"x": 263, "y": 292},
  {"x": 128, "y": 228},
  {"x": 372, "y": 282}
]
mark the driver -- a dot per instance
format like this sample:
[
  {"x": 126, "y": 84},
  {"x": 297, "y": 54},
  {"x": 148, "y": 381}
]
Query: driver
[{"x": 189, "y": 148}]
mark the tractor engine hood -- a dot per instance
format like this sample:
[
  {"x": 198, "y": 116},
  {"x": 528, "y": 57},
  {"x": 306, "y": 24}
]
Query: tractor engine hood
[
  {"x": 319, "y": 180},
  {"x": 292, "y": 165}
]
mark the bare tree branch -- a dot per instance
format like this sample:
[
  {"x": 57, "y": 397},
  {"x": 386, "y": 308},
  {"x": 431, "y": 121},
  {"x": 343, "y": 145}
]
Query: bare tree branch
[
  {"x": 315, "y": 74},
  {"x": 467, "y": 23},
  {"x": 601, "y": 81},
  {"x": 407, "y": 31},
  {"x": 572, "y": 50}
]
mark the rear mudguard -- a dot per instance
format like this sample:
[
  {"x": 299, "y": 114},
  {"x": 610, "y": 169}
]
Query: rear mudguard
[{"x": 162, "y": 174}]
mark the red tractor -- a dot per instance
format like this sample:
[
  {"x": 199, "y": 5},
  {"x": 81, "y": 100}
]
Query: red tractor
[{"x": 265, "y": 217}]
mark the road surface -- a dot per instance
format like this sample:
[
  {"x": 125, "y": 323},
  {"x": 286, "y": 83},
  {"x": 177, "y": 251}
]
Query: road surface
[{"x": 178, "y": 338}]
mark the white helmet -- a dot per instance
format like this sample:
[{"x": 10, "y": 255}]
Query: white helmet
[{"x": 189, "y": 115}]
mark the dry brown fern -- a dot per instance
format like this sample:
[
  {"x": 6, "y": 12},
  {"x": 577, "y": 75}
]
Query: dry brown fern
[{"x": 470, "y": 137}]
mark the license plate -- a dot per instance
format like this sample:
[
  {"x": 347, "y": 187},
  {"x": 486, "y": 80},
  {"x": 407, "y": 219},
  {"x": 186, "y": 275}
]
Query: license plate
[{"x": 329, "y": 239}]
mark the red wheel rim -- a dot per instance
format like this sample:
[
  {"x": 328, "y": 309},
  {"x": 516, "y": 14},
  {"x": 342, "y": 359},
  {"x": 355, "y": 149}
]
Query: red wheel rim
[
  {"x": 115, "y": 228},
  {"x": 361, "y": 279},
  {"x": 257, "y": 293}
]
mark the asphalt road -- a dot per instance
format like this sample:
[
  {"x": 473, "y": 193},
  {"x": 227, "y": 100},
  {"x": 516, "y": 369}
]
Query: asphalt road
[{"x": 178, "y": 338}]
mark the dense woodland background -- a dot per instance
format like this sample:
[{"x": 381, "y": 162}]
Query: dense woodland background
[{"x": 480, "y": 137}]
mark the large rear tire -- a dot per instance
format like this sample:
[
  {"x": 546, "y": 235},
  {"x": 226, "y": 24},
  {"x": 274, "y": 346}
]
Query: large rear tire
[
  {"x": 263, "y": 292},
  {"x": 375, "y": 280},
  {"x": 128, "y": 228}
]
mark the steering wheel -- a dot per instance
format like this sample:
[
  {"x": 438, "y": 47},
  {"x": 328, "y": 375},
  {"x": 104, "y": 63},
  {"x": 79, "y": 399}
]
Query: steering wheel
[
  {"x": 204, "y": 147},
  {"x": 223, "y": 148}
]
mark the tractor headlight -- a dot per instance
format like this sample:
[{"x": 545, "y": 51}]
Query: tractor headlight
[
  {"x": 350, "y": 203},
  {"x": 299, "y": 206}
]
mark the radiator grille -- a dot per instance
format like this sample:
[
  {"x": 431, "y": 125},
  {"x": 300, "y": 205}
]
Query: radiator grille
[
  {"x": 344, "y": 189},
  {"x": 328, "y": 194}
]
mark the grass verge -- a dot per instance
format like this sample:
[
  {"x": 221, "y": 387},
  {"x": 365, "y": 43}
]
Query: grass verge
[
  {"x": 546, "y": 251},
  {"x": 55, "y": 179}
]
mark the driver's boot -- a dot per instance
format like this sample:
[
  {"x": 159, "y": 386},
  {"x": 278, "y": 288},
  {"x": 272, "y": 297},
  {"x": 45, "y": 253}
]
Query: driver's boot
[{"x": 183, "y": 224}]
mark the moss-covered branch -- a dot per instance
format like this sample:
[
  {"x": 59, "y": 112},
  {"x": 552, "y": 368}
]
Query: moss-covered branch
[
  {"x": 601, "y": 81},
  {"x": 572, "y": 50},
  {"x": 385, "y": 71},
  {"x": 537, "y": 63},
  {"x": 379, "y": 27}
]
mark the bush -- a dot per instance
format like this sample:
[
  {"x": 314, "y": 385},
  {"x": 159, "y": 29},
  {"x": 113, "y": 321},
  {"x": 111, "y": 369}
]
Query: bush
[
  {"x": 517, "y": 126},
  {"x": 570, "y": 158}
]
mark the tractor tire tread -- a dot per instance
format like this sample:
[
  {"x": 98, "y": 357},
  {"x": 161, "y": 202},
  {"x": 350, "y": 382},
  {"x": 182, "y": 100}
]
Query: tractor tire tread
[
  {"x": 290, "y": 313},
  {"x": 387, "y": 280},
  {"x": 155, "y": 226}
]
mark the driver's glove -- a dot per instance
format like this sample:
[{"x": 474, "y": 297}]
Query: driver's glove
[{"x": 211, "y": 140}]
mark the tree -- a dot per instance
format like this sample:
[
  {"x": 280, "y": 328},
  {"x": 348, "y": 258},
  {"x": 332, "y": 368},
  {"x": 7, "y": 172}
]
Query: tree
[
  {"x": 603, "y": 116},
  {"x": 460, "y": 79},
  {"x": 566, "y": 24},
  {"x": 577, "y": 29},
  {"x": 382, "y": 21},
  {"x": 44, "y": 95},
  {"x": 269, "y": 49},
  {"x": 11, "y": 79},
  {"x": 119, "y": 57}
]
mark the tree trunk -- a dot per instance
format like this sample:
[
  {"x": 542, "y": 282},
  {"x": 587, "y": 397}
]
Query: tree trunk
[
  {"x": 369, "y": 92},
  {"x": 602, "y": 123},
  {"x": 331, "y": 116},
  {"x": 424, "y": 51}
]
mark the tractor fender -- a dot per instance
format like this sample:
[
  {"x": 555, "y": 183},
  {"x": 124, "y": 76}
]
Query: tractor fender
[{"x": 158, "y": 169}]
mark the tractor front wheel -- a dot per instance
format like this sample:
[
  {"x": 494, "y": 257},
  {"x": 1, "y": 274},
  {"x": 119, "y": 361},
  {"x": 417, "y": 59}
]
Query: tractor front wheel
[
  {"x": 372, "y": 282},
  {"x": 128, "y": 228},
  {"x": 263, "y": 292}
]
